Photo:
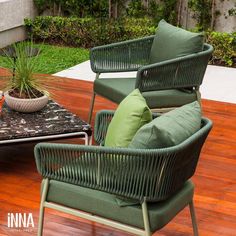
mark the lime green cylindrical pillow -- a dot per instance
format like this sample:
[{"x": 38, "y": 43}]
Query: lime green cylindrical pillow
[{"x": 130, "y": 116}]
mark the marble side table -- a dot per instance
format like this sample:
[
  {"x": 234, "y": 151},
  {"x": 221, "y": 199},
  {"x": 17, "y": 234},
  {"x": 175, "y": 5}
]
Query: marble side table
[{"x": 52, "y": 122}]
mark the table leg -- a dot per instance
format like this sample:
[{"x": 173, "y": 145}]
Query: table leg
[{"x": 90, "y": 140}]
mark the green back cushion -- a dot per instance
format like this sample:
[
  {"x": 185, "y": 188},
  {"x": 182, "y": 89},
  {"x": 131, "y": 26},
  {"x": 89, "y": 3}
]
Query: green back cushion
[
  {"x": 171, "y": 42},
  {"x": 169, "y": 129},
  {"x": 131, "y": 114}
]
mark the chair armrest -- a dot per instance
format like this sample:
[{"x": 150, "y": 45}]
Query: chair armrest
[
  {"x": 102, "y": 121},
  {"x": 183, "y": 72},
  {"x": 123, "y": 56},
  {"x": 154, "y": 174}
]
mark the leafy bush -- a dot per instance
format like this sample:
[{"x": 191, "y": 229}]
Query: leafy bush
[
  {"x": 136, "y": 9},
  {"x": 224, "y": 47},
  {"x": 165, "y": 9},
  {"x": 87, "y": 32},
  {"x": 90, "y": 32},
  {"x": 202, "y": 12},
  {"x": 82, "y": 8}
]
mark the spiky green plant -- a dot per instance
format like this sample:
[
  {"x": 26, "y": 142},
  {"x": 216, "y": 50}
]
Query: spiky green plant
[{"x": 23, "y": 64}]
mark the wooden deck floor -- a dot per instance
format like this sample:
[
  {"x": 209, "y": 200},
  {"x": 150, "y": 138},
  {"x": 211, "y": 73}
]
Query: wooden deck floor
[{"x": 215, "y": 179}]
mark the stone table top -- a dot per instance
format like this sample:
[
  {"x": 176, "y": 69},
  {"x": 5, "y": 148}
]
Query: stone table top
[{"x": 53, "y": 119}]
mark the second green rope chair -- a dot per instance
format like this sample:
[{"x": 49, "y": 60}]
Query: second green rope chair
[
  {"x": 169, "y": 79},
  {"x": 87, "y": 181}
]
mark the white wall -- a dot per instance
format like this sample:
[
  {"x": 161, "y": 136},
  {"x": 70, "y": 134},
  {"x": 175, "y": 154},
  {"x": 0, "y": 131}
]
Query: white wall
[
  {"x": 224, "y": 22},
  {"x": 12, "y": 14}
]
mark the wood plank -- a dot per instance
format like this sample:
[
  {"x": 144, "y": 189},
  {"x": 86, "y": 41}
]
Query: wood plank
[{"x": 215, "y": 178}]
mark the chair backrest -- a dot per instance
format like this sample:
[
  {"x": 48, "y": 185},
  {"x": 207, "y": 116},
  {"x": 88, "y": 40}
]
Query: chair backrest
[
  {"x": 153, "y": 174},
  {"x": 178, "y": 164},
  {"x": 182, "y": 72}
]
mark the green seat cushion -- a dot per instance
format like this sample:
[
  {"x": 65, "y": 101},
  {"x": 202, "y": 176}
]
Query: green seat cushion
[
  {"x": 169, "y": 129},
  {"x": 131, "y": 114},
  {"x": 116, "y": 89},
  {"x": 105, "y": 204},
  {"x": 171, "y": 42}
]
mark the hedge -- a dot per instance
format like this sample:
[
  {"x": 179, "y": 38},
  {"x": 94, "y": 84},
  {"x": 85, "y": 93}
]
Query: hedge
[
  {"x": 87, "y": 32},
  {"x": 224, "y": 47},
  {"x": 90, "y": 32}
]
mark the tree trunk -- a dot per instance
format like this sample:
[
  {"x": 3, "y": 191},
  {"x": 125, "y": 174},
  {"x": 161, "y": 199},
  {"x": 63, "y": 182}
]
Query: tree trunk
[
  {"x": 59, "y": 10},
  {"x": 187, "y": 17},
  {"x": 213, "y": 14},
  {"x": 180, "y": 6},
  {"x": 54, "y": 9},
  {"x": 110, "y": 9},
  {"x": 116, "y": 10},
  {"x": 146, "y": 4}
]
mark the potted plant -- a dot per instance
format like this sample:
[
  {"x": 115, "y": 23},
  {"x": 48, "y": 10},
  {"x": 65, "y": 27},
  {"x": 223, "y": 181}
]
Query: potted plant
[{"x": 25, "y": 90}]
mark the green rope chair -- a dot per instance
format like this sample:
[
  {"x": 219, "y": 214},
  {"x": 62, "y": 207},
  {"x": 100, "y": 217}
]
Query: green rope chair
[
  {"x": 166, "y": 84},
  {"x": 86, "y": 181}
]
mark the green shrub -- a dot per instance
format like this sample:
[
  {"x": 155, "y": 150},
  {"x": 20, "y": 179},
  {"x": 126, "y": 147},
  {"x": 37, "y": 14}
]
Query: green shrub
[
  {"x": 224, "y": 47},
  {"x": 164, "y": 9},
  {"x": 87, "y": 32},
  {"x": 202, "y": 12},
  {"x": 136, "y": 9},
  {"x": 82, "y": 8},
  {"x": 90, "y": 32}
]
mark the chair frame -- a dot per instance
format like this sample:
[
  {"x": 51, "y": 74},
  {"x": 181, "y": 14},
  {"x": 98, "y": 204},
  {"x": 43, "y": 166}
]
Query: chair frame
[{"x": 136, "y": 231}]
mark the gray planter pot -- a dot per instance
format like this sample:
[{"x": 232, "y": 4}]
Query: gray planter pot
[{"x": 26, "y": 105}]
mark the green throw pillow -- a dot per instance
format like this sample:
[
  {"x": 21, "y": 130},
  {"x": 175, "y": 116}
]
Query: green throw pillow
[
  {"x": 131, "y": 114},
  {"x": 171, "y": 42},
  {"x": 169, "y": 129}
]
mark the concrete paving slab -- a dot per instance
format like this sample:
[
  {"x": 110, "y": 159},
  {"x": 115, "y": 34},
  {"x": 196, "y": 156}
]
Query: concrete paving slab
[{"x": 219, "y": 84}]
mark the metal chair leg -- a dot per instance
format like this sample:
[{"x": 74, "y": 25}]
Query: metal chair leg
[
  {"x": 41, "y": 211},
  {"x": 91, "y": 108},
  {"x": 193, "y": 217},
  {"x": 199, "y": 97},
  {"x": 146, "y": 219},
  {"x": 92, "y": 102}
]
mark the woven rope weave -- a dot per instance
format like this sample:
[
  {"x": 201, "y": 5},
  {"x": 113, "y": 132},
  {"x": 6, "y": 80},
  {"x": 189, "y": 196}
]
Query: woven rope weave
[
  {"x": 154, "y": 174},
  {"x": 123, "y": 56},
  {"x": 183, "y": 72}
]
